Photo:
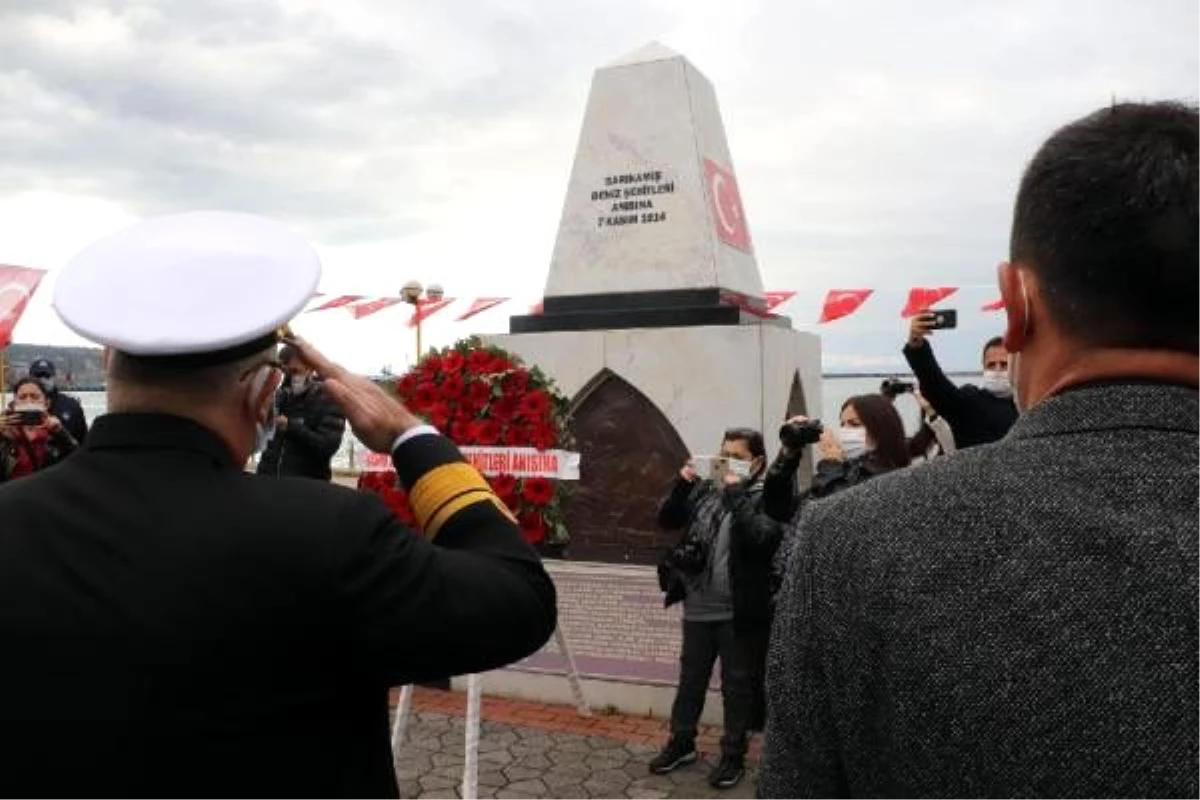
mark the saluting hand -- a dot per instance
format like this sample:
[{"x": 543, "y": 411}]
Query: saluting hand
[{"x": 376, "y": 417}]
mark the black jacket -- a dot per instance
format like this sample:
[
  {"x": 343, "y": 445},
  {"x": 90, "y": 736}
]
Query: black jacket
[
  {"x": 753, "y": 540},
  {"x": 782, "y": 503},
  {"x": 217, "y": 634},
  {"x": 307, "y": 445},
  {"x": 70, "y": 413},
  {"x": 976, "y": 417}
]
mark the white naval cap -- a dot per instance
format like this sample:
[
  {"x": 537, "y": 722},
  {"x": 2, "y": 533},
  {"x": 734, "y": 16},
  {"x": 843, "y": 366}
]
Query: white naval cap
[{"x": 202, "y": 287}]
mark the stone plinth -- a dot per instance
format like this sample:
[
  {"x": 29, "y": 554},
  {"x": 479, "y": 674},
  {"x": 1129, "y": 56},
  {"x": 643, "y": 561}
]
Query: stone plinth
[{"x": 645, "y": 399}]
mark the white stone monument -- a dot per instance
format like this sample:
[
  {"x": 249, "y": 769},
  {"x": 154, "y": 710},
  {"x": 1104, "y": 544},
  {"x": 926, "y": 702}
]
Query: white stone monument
[{"x": 654, "y": 282}]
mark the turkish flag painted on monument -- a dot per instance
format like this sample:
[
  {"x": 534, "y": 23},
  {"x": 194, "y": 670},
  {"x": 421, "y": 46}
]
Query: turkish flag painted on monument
[
  {"x": 17, "y": 285},
  {"x": 995, "y": 305},
  {"x": 729, "y": 218},
  {"x": 842, "y": 303},
  {"x": 922, "y": 299}
]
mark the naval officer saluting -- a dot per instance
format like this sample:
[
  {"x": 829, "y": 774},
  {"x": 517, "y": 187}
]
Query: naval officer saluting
[{"x": 173, "y": 625}]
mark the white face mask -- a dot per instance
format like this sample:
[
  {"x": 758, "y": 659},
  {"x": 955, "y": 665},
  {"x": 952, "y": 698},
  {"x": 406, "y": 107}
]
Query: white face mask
[
  {"x": 996, "y": 381},
  {"x": 262, "y": 435},
  {"x": 263, "y": 429},
  {"x": 853, "y": 441}
]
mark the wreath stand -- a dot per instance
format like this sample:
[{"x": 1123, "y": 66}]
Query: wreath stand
[{"x": 470, "y": 780}]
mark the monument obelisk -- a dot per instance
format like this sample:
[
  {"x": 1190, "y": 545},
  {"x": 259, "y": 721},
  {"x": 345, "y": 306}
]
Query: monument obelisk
[{"x": 653, "y": 318}]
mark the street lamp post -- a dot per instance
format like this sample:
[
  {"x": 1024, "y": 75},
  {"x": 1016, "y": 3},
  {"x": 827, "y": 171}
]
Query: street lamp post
[{"x": 415, "y": 295}]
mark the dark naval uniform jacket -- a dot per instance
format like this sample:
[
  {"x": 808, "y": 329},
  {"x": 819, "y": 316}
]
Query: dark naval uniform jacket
[
  {"x": 175, "y": 626},
  {"x": 1014, "y": 620}
]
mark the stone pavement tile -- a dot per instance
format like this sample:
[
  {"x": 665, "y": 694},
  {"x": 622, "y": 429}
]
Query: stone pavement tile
[{"x": 563, "y": 764}]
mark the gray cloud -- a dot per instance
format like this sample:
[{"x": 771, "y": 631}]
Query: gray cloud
[{"x": 875, "y": 145}]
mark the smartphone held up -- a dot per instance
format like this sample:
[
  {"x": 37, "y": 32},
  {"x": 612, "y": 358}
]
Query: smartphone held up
[
  {"x": 942, "y": 319},
  {"x": 715, "y": 468}
]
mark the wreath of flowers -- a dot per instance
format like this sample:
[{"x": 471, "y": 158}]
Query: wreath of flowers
[{"x": 485, "y": 396}]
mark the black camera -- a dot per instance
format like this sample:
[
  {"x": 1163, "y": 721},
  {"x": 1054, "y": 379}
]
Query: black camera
[
  {"x": 892, "y": 388},
  {"x": 794, "y": 435}
]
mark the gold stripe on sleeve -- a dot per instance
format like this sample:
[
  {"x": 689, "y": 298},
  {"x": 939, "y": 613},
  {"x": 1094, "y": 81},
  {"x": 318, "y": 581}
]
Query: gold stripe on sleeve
[
  {"x": 449, "y": 509},
  {"x": 439, "y": 486}
]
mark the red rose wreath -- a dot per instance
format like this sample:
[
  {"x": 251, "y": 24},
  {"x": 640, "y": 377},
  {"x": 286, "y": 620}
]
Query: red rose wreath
[{"x": 486, "y": 396}]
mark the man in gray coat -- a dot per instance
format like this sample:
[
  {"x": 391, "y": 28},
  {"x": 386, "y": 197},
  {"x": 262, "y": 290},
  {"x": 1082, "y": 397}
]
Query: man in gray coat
[{"x": 1020, "y": 619}]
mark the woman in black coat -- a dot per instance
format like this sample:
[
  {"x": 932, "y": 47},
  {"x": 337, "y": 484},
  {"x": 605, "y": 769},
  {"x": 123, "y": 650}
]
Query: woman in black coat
[{"x": 868, "y": 442}]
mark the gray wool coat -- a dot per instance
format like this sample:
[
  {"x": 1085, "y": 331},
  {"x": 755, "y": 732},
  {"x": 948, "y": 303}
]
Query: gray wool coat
[{"x": 1017, "y": 619}]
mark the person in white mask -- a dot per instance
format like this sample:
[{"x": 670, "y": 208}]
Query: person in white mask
[
  {"x": 868, "y": 441},
  {"x": 977, "y": 414},
  {"x": 308, "y": 427}
]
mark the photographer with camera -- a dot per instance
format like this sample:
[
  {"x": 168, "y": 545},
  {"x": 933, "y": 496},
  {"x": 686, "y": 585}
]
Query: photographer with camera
[
  {"x": 31, "y": 438},
  {"x": 934, "y": 438},
  {"x": 309, "y": 426},
  {"x": 721, "y": 571},
  {"x": 977, "y": 414},
  {"x": 870, "y": 441}
]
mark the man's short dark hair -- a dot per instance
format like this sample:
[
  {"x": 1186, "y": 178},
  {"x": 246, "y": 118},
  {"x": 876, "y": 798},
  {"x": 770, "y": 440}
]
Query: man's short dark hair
[
  {"x": 995, "y": 341},
  {"x": 752, "y": 438},
  {"x": 1106, "y": 217}
]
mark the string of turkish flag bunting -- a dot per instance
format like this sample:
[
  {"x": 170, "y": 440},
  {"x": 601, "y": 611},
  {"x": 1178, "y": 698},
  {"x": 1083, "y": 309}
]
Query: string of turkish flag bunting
[
  {"x": 839, "y": 303},
  {"x": 17, "y": 285}
]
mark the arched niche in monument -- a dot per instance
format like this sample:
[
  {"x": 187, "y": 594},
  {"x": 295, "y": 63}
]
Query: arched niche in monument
[
  {"x": 797, "y": 405},
  {"x": 630, "y": 455}
]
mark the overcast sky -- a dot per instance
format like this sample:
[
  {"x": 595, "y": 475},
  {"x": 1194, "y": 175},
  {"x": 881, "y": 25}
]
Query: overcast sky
[{"x": 876, "y": 143}]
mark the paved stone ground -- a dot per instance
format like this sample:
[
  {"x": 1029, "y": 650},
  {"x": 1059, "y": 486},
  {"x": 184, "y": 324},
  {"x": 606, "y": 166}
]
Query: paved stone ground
[{"x": 532, "y": 753}]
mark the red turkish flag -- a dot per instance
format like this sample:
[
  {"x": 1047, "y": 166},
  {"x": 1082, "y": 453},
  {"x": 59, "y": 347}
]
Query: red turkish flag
[
  {"x": 842, "y": 303},
  {"x": 426, "y": 309},
  {"x": 17, "y": 285},
  {"x": 995, "y": 305},
  {"x": 921, "y": 300},
  {"x": 371, "y": 306},
  {"x": 746, "y": 304},
  {"x": 776, "y": 299},
  {"x": 728, "y": 215},
  {"x": 480, "y": 305},
  {"x": 337, "y": 302}
]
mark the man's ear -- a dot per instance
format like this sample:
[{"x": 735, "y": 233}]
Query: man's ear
[{"x": 1014, "y": 294}]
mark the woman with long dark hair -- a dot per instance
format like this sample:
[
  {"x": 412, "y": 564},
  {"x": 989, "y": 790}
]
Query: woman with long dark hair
[{"x": 869, "y": 441}]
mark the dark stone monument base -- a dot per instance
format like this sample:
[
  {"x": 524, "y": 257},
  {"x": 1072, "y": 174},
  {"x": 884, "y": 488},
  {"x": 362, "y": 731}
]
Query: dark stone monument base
[{"x": 663, "y": 309}]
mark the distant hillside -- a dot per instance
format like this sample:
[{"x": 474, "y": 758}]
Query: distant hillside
[{"x": 78, "y": 367}]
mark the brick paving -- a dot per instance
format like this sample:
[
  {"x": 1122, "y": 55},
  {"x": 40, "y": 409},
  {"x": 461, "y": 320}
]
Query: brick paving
[{"x": 535, "y": 750}]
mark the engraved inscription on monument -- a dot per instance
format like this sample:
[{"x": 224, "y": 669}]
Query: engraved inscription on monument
[{"x": 632, "y": 198}]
